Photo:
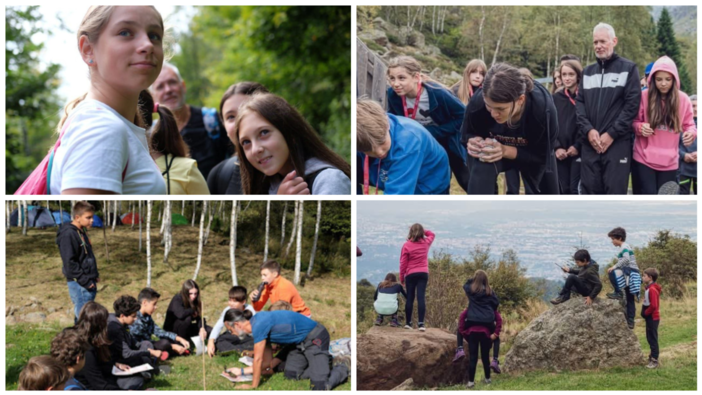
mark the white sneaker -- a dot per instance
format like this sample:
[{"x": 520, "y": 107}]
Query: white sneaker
[
  {"x": 408, "y": 327},
  {"x": 471, "y": 384}
]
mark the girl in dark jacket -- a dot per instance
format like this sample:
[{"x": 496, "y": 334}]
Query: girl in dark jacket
[
  {"x": 415, "y": 96},
  {"x": 511, "y": 124},
  {"x": 567, "y": 146},
  {"x": 479, "y": 323},
  {"x": 184, "y": 314}
]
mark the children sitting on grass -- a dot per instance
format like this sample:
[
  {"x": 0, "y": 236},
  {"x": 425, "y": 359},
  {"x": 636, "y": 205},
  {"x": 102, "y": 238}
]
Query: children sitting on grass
[
  {"x": 124, "y": 348},
  {"x": 278, "y": 288},
  {"x": 585, "y": 280},
  {"x": 43, "y": 373},
  {"x": 477, "y": 323},
  {"x": 69, "y": 348},
  {"x": 385, "y": 299},
  {"x": 228, "y": 341},
  {"x": 650, "y": 311},
  {"x": 624, "y": 275},
  {"x": 184, "y": 314},
  {"x": 144, "y": 327}
]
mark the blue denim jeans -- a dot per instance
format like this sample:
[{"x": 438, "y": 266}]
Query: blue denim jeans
[{"x": 80, "y": 296}]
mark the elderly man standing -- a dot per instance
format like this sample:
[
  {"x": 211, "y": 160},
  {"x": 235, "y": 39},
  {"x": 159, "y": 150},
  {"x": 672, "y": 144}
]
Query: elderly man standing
[
  {"x": 607, "y": 103},
  {"x": 201, "y": 128}
]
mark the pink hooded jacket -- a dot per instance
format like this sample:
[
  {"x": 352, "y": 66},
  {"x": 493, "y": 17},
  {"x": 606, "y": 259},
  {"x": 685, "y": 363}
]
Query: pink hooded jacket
[
  {"x": 660, "y": 150},
  {"x": 414, "y": 257}
]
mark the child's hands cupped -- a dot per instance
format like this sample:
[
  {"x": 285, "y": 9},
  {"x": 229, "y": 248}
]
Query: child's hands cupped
[
  {"x": 492, "y": 152},
  {"x": 475, "y": 146},
  {"x": 293, "y": 185}
]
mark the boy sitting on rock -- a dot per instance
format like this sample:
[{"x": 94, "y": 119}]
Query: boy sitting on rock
[{"x": 584, "y": 280}]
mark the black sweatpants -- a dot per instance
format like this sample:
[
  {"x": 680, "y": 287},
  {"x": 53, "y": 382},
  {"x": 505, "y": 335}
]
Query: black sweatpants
[
  {"x": 607, "y": 173},
  {"x": 569, "y": 175},
  {"x": 458, "y": 168},
  {"x": 536, "y": 179},
  {"x": 189, "y": 328},
  {"x": 651, "y": 333},
  {"x": 311, "y": 360},
  {"x": 630, "y": 306},
  {"x": 478, "y": 340},
  {"x": 646, "y": 181},
  {"x": 688, "y": 184},
  {"x": 512, "y": 181},
  {"x": 416, "y": 284},
  {"x": 495, "y": 345},
  {"x": 577, "y": 284}
]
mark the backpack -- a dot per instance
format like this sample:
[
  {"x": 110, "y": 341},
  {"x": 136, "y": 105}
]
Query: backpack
[{"x": 340, "y": 347}]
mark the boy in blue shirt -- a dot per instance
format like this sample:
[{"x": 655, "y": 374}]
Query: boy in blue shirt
[{"x": 403, "y": 157}]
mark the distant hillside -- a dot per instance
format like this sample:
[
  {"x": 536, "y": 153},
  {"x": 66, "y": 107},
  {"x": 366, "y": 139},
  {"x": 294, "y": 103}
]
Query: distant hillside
[{"x": 684, "y": 18}]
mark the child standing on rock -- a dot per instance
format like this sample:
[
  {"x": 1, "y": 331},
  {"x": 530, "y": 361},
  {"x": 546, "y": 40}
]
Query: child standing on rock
[
  {"x": 477, "y": 323},
  {"x": 385, "y": 299},
  {"x": 624, "y": 275},
  {"x": 414, "y": 270}
]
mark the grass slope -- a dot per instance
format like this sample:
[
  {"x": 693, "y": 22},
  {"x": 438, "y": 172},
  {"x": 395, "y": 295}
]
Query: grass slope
[{"x": 33, "y": 269}]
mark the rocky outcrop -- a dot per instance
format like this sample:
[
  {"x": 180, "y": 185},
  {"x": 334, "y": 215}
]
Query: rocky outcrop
[
  {"x": 388, "y": 357},
  {"x": 572, "y": 336},
  {"x": 377, "y": 36}
]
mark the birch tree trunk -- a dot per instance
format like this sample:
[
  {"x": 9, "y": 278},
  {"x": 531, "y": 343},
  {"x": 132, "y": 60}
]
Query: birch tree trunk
[
  {"x": 316, "y": 236},
  {"x": 132, "y": 206},
  {"x": 268, "y": 225},
  {"x": 105, "y": 224},
  {"x": 163, "y": 218},
  {"x": 499, "y": 40},
  {"x": 298, "y": 253},
  {"x": 25, "y": 221},
  {"x": 480, "y": 34},
  {"x": 140, "y": 221},
  {"x": 212, "y": 210},
  {"x": 114, "y": 215},
  {"x": 294, "y": 230},
  {"x": 200, "y": 240},
  {"x": 194, "y": 211},
  {"x": 182, "y": 210},
  {"x": 148, "y": 244},
  {"x": 232, "y": 243},
  {"x": 7, "y": 217},
  {"x": 282, "y": 228},
  {"x": 167, "y": 233}
]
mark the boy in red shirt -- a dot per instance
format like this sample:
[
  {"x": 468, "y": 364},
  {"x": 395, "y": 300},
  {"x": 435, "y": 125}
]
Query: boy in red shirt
[
  {"x": 650, "y": 311},
  {"x": 278, "y": 288}
]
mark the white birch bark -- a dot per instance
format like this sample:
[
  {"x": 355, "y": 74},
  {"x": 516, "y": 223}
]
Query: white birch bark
[
  {"x": 200, "y": 240},
  {"x": 232, "y": 243},
  {"x": 268, "y": 225},
  {"x": 298, "y": 253},
  {"x": 148, "y": 243},
  {"x": 316, "y": 236}
]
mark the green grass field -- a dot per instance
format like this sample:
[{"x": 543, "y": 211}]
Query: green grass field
[{"x": 328, "y": 296}]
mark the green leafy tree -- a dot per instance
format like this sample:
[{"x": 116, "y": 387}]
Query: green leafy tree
[
  {"x": 30, "y": 101},
  {"x": 675, "y": 257},
  {"x": 669, "y": 46}
]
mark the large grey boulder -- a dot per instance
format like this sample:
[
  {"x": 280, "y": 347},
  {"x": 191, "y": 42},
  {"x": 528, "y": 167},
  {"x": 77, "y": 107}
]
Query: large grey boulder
[
  {"x": 412, "y": 37},
  {"x": 377, "y": 36},
  {"x": 572, "y": 336}
]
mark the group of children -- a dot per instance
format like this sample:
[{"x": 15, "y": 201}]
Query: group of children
[
  {"x": 83, "y": 357},
  {"x": 480, "y": 323},
  {"x": 626, "y": 280}
]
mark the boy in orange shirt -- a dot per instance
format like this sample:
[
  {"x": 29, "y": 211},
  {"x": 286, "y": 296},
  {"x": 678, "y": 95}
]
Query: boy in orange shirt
[{"x": 278, "y": 288}]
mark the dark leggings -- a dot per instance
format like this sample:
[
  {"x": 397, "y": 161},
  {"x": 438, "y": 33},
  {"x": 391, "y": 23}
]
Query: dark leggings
[
  {"x": 475, "y": 340},
  {"x": 646, "y": 181},
  {"x": 495, "y": 345},
  {"x": 164, "y": 344},
  {"x": 416, "y": 282}
]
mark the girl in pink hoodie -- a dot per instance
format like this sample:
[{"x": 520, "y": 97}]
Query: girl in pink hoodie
[
  {"x": 414, "y": 271},
  {"x": 664, "y": 114}
]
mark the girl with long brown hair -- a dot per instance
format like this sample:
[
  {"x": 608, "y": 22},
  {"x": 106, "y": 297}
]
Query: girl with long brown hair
[
  {"x": 413, "y": 95},
  {"x": 511, "y": 124},
  {"x": 479, "y": 323},
  {"x": 473, "y": 77},
  {"x": 385, "y": 299},
  {"x": 414, "y": 271},
  {"x": 184, "y": 314},
  {"x": 280, "y": 153},
  {"x": 567, "y": 145},
  {"x": 664, "y": 115},
  {"x": 96, "y": 375}
]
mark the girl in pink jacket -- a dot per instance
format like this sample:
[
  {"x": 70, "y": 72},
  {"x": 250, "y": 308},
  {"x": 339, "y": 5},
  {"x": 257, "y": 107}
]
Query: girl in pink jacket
[
  {"x": 664, "y": 114},
  {"x": 414, "y": 271}
]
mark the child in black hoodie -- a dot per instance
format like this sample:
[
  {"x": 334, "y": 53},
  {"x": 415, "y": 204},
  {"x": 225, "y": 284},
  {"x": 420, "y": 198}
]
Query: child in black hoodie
[{"x": 79, "y": 264}]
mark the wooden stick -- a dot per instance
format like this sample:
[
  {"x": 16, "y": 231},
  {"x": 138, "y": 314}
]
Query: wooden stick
[{"x": 204, "y": 351}]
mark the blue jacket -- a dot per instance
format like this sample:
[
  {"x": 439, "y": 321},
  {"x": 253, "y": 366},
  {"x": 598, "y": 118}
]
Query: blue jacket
[
  {"x": 687, "y": 169},
  {"x": 415, "y": 165},
  {"x": 444, "y": 109}
]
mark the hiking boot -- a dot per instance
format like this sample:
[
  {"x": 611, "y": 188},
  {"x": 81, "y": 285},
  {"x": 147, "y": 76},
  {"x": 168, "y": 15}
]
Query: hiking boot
[
  {"x": 631, "y": 325},
  {"x": 394, "y": 323},
  {"x": 408, "y": 326},
  {"x": 495, "y": 366},
  {"x": 379, "y": 321},
  {"x": 615, "y": 295},
  {"x": 470, "y": 385},
  {"x": 560, "y": 299},
  {"x": 421, "y": 327},
  {"x": 487, "y": 381},
  {"x": 460, "y": 354},
  {"x": 652, "y": 364}
]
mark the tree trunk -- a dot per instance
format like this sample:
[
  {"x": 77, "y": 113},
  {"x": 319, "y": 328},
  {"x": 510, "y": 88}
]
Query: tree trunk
[
  {"x": 294, "y": 230},
  {"x": 60, "y": 211},
  {"x": 433, "y": 19},
  {"x": 298, "y": 253},
  {"x": 25, "y": 221},
  {"x": 163, "y": 218},
  {"x": 148, "y": 244},
  {"x": 132, "y": 206},
  {"x": 232, "y": 243},
  {"x": 105, "y": 224},
  {"x": 200, "y": 240},
  {"x": 499, "y": 40},
  {"x": 211, "y": 211},
  {"x": 194, "y": 211},
  {"x": 268, "y": 225},
  {"x": 182, "y": 210},
  {"x": 140, "y": 221},
  {"x": 167, "y": 233},
  {"x": 114, "y": 215},
  {"x": 7, "y": 212},
  {"x": 316, "y": 236},
  {"x": 282, "y": 229},
  {"x": 480, "y": 34}
]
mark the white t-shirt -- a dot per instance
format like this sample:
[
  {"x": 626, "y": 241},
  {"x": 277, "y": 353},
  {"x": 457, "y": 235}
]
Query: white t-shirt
[
  {"x": 422, "y": 109},
  {"x": 220, "y": 322},
  {"x": 97, "y": 146}
]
